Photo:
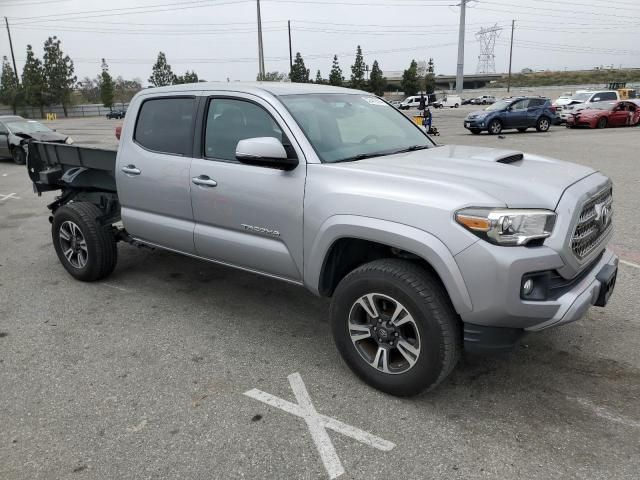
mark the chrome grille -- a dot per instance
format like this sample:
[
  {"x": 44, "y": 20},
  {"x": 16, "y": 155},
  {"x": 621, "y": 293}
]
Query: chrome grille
[{"x": 594, "y": 224}]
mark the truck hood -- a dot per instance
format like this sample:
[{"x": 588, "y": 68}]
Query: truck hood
[
  {"x": 43, "y": 136},
  {"x": 511, "y": 177}
]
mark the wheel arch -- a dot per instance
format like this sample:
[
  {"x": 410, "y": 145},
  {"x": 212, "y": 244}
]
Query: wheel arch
[{"x": 344, "y": 242}]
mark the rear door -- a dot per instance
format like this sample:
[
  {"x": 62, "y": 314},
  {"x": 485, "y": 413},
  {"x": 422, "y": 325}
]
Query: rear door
[
  {"x": 245, "y": 215},
  {"x": 534, "y": 111},
  {"x": 4, "y": 141},
  {"x": 152, "y": 172}
]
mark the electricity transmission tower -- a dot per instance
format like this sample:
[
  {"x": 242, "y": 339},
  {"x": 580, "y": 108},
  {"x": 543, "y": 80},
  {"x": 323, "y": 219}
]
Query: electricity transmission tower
[{"x": 487, "y": 39}]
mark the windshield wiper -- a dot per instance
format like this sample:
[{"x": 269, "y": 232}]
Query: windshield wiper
[{"x": 362, "y": 156}]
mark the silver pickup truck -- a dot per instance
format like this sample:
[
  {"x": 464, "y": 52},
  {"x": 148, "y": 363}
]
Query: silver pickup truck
[{"x": 425, "y": 250}]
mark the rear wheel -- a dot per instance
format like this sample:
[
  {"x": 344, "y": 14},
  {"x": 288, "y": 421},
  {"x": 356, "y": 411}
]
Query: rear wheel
[
  {"x": 395, "y": 327},
  {"x": 86, "y": 249},
  {"x": 495, "y": 127},
  {"x": 543, "y": 124},
  {"x": 602, "y": 123},
  {"x": 456, "y": 105},
  {"x": 19, "y": 156}
]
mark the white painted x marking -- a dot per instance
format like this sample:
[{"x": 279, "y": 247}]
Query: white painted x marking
[
  {"x": 10, "y": 195},
  {"x": 318, "y": 424}
]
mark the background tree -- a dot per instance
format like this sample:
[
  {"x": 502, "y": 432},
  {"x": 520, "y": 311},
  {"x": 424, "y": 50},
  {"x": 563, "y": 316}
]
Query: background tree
[
  {"x": 409, "y": 82},
  {"x": 58, "y": 73},
  {"x": 188, "y": 77},
  {"x": 126, "y": 89},
  {"x": 33, "y": 83},
  {"x": 106, "y": 86},
  {"x": 299, "y": 73},
  {"x": 430, "y": 78},
  {"x": 272, "y": 77},
  {"x": 89, "y": 89},
  {"x": 357, "y": 71},
  {"x": 9, "y": 88},
  {"x": 161, "y": 73},
  {"x": 335, "y": 77},
  {"x": 319, "y": 79},
  {"x": 377, "y": 82}
]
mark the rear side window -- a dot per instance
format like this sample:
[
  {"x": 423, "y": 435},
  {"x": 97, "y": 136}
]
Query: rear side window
[
  {"x": 165, "y": 125},
  {"x": 536, "y": 102},
  {"x": 607, "y": 96}
]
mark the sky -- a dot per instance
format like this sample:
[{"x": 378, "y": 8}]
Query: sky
[{"x": 218, "y": 38}]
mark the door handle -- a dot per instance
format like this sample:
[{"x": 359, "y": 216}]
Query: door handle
[
  {"x": 204, "y": 181},
  {"x": 131, "y": 170}
]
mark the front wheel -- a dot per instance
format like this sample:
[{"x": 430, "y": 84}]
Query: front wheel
[
  {"x": 86, "y": 249},
  {"x": 495, "y": 127},
  {"x": 395, "y": 327},
  {"x": 543, "y": 124},
  {"x": 18, "y": 155},
  {"x": 456, "y": 106}
]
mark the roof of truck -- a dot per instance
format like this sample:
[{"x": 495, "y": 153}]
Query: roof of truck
[{"x": 275, "y": 88}]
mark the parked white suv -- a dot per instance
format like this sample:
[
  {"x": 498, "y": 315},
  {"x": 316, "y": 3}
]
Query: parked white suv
[{"x": 583, "y": 98}]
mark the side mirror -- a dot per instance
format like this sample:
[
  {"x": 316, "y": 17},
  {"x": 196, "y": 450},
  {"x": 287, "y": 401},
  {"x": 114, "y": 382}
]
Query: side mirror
[{"x": 264, "y": 152}]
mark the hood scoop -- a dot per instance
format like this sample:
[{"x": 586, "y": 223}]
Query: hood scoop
[{"x": 499, "y": 156}]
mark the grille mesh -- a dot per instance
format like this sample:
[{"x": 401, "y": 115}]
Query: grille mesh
[{"x": 591, "y": 229}]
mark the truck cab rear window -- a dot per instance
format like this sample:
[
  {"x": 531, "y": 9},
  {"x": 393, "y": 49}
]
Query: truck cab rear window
[{"x": 165, "y": 125}]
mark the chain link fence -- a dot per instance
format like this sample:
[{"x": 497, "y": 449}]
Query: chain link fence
[{"x": 87, "y": 110}]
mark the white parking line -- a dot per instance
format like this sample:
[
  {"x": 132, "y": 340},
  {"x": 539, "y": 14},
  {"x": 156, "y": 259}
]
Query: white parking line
[
  {"x": 10, "y": 195},
  {"x": 607, "y": 414},
  {"x": 629, "y": 264},
  {"x": 318, "y": 424}
]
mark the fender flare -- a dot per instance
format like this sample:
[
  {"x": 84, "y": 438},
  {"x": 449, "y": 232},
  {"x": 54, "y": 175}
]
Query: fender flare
[{"x": 397, "y": 235}]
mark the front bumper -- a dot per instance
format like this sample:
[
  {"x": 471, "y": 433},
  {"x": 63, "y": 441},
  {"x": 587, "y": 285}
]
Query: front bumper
[
  {"x": 493, "y": 276},
  {"x": 475, "y": 124}
]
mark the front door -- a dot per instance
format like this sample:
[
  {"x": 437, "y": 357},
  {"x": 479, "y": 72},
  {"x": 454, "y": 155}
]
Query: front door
[
  {"x": 153, "y": 173},
  {"x": 619, "y": 116},
  {"x": 247, "y": 216},
  {"x": 517, "y": 114}
]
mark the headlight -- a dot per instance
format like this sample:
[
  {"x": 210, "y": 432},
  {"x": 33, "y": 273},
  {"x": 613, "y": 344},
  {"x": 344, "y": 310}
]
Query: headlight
[
  {"x": 69, "y": 141},
  {"x": 505, "y": 226}
]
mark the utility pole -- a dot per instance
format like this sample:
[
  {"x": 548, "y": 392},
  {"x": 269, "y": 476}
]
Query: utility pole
[
  {"x": 261, "y": 71},
  {"x": 460, "y": 69},
  {"x": 513, "y": 24},
  {"x": 290, "y": 51},
  {"x": 13, "y": 57}
]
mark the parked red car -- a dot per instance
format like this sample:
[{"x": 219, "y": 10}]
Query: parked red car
[{"x": 606, "y": 114}]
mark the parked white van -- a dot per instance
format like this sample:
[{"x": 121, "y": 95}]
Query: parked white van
[{"x": 452, "y": 101}]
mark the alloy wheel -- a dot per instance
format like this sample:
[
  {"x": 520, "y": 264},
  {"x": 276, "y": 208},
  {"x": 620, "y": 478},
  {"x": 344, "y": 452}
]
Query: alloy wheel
[
  {"x": 73, "y": 244},
  {"x": 384, "y": 333}
]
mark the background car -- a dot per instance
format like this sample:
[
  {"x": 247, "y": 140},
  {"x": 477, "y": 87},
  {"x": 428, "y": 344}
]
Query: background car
[
  {"x": 15, "y": 133},
  {"x": 484, "y": 100},
  {"x": 518, "y": 112},
  {"x": 414, "y": 101},
  {"x": 583, "y": 98},
  {"x": 606, "y": 114},
  {"x": 116, "y": 114}
]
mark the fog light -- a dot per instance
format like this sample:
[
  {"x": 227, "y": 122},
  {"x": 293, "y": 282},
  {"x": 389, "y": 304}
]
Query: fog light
[{"x": 527, "y": 287}]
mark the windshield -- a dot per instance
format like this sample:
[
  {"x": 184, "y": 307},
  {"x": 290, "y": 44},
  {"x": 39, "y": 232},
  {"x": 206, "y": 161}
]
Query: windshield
[
  {"x": 582, "y": 96},
  {"x": 345, "y": 127},
  {"x": 27, "y": 126},
  {"x": 501, "y": 105}
]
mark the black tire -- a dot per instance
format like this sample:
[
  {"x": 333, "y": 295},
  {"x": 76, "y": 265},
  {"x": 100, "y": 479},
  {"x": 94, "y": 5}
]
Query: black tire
[
  {"x": 543, "y": 124},
  {"x": 100, "y": 243},
  {"x": 602, "y": 123},
  {"x": 18, "y": 155},
  {"x": 495, "y": 127},
  {"x": 456, "y": 106},
  {"x": 522, "y": 129},
  {"x": 438, "y": 337},
  {"x": 475, "y": 131}
]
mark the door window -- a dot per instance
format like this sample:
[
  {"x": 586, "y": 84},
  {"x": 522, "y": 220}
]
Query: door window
[
  {"x": 165, "y": 125},
  {"x": 520, "y": 105},
  {"x": 231, "y": 120}
]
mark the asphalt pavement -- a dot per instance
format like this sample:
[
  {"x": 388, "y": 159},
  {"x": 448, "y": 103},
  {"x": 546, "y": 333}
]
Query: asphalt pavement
[{"x": 145, "y": 374}]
